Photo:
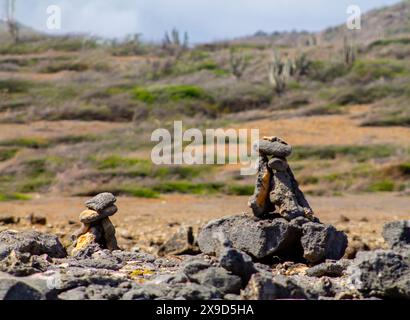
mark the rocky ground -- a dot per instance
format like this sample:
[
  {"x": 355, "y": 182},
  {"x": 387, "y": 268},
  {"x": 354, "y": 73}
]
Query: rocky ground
[{"x": 270, "y": 259}]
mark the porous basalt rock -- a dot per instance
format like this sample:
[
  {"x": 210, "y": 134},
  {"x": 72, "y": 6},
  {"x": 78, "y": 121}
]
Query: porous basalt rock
[
  {"x": 258, "y": 238},
  {"x": 32, "y": 242},
  {"x": 320, "y": 242},
  {"x": 380, "y": 273}
]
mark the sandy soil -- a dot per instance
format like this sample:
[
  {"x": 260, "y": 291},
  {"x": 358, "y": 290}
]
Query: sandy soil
[
  {"x": 54, "y": 129},
  {"x": 330, "y": 130},
  {"x": 147, "y": 222}
]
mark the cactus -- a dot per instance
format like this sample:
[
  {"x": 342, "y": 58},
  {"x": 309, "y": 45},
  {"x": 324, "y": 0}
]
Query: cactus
[
  {"x": 349, "y": 52},
  {"x": 279, "y": 73},
  {"x": 238, "y": 63},
  {"x": 173, "y": 44},
  {"x": 301, "y": 66},
  {"x": 12, "y": 25}
]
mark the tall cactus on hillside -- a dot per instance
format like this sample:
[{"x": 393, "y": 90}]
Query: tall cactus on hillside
[
  {"x": 349, "y": 52},
  {"x": 301, "y": 66},
  {"x": 238, "y": 62},
  {"x": 279, "y": 73},
  {"x": 12, "y": 25}
]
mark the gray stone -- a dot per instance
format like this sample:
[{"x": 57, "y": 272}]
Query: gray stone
[
  {"x": 93, "y": 292},
  {"x": 328, "y": 269},
  {"x": 23, "y": 264},
  {"x": 278, "y": 164},
  {"x": 147, "y": 292},
  {"x": 397, "y": 234},
  {"x": 265, "y": 287},
  {"x": 218, "y": 278},
  {"x": 258, "y": 238},
  {"x": 321, "y": 242},
  {"x": 277, "y": 148},
  {"x": 380, "y": 273},
  {"x": 194, "y": 266},
  {"x": 31, "y": 242},
  {"x": 97, "y": 216},
  {"x": 133, "y": 256},
  {"x": 101, "y": 201},
  {"x": 12, "y": 288},
  {"x": 182, "y": 242},
  {"x": 237, "y": 262},
  {"x": 193, "y": 291}
]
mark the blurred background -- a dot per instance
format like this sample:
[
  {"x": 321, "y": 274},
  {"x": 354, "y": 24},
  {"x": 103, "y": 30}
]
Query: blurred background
[{"x": 83, "y": 86}]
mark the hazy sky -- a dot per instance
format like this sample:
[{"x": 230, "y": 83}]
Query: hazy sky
[{"x": 205, "y": 20}]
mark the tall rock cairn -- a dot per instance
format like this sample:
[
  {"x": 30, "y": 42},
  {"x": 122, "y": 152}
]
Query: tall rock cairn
[
  {"x": 97, "y": 227},
  {"x": 276, "y": 189}
]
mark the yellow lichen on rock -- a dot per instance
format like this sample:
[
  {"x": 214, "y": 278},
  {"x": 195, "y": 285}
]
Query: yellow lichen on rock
[{"x": 83, "y": 242}]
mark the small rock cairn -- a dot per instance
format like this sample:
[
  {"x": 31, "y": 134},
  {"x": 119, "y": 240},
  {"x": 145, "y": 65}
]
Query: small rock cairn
[
  {"x": 97, "y": 227},
  {"x": 276, "y": 189}
]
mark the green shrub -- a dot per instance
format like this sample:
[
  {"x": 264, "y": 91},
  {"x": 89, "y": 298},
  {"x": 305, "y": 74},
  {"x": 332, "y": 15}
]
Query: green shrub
[
  {"x": 33, "y": 143},
  {"x": 188, "y": 187},
  {"x": 240, "y": 190},
  {"x": 6, "y": 154},
  {"x": 114, "y": 162},
  {"x": 326, "y": 72},
  {"x": 65, "y": 66},
  {"x": 386, "y": 42},
  {"x": 370, "y": 70},
  {"x": 139, "y": 192},
  {"x": 360, "y": 153},
  {"x": 169, "y": 93},
  {"x": 14, "y": 197},
  {"x": 382, "y": 186},
  {"x": 14, "y": 86}
]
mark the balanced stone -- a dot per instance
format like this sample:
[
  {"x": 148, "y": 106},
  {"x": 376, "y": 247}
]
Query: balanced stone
[
  {"x": 97, "y": 229},
  {"x": 89, "y": 216},
  {"x": 101, "y": 201},
  {"x": 274, "y": 146}
]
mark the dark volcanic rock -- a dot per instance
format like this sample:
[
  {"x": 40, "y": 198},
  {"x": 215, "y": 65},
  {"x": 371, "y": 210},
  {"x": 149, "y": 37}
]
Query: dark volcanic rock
[
  {"x": 182, "y": 242},
  {"x": 380, "y": 273},
  {"x": 12, "y": 288},
  {"x": 193, "y": 291},
  {"x": 23, "y": 264},
  {"x": 31, "y": 242},
  {"x": 258, "y": 238},
  {"x": 328, "y": 269},
  {"x": 218, "y": 278},
  {"x": 93, "y": 292},
  {"x": 397, "y": 234},
  {"x": 101, "y": 201},
  {"x": 194, "y": 266},
  {"x": 265, "y": 287},
  {"x": 147, "y": 292},
  {"x": 237, "y": 262},
  {"x": 320, "y": 242}
]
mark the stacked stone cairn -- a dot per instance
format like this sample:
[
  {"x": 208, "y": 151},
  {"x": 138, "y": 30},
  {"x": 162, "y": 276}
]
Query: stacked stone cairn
[
  {"x": 282, "y": 225},
  {"x": 276, "y": 189},
  {"x": 97, "y": 227}
]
